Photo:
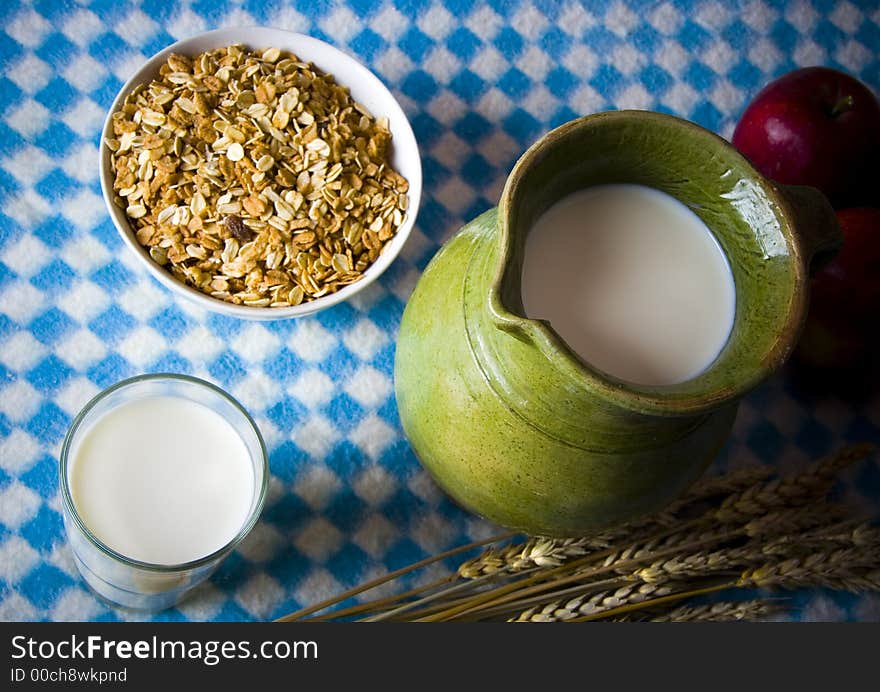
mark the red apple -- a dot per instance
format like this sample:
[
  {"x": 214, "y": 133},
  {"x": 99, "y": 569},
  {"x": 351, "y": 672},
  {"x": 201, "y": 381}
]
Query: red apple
[
  {"x": 816, "y": 126},
  {"x": 843, "y": 325}
]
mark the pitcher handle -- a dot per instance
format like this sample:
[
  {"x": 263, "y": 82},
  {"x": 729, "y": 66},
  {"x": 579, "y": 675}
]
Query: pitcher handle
[{"x": 816, "y": 232}]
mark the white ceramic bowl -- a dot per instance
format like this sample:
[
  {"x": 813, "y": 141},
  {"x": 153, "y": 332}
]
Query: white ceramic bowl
[{"x": 365, "y": 88}]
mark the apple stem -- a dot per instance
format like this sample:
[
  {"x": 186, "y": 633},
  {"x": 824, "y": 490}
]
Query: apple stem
[{"x": 842, "y": 106}]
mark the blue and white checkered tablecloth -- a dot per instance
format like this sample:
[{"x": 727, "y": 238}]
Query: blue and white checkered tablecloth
[{"x": 479, "y": 81}]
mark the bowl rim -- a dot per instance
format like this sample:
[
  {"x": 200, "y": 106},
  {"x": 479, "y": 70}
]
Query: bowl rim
[{"x": 403, "y": 137}]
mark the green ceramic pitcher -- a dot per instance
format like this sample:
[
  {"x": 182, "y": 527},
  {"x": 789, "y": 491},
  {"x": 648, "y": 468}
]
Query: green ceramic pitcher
[{"x": 510, "y": 421}]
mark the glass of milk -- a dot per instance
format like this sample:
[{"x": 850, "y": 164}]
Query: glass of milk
[{"x": 161, "y": 477}]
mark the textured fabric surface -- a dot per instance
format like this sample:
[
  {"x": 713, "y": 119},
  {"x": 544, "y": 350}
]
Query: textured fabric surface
[{"x": 479, "y": 81}]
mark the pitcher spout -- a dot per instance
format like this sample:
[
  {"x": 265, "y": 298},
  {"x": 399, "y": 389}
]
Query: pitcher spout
[{"x": 746, "y": 213}]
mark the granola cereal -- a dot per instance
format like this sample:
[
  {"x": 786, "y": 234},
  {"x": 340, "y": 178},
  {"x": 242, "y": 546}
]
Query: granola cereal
[{"x": 255, "y": 177}]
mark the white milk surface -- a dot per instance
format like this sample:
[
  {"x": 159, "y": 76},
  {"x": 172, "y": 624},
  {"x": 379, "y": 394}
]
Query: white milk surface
[
  {"x": 633, "y": 281},
  {"x": 163, "y": 480}
]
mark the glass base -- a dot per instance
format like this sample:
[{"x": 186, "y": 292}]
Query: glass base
[{"x": 131, "y": 600}]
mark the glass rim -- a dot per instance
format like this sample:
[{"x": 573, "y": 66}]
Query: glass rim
[{"x": 70, "y": 506}]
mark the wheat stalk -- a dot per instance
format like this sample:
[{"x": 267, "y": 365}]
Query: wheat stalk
[
  {"x": 750, "y": 499},
  {"x": 793, "y": 520},
  {"x": 791, "y": 491},
  {"x": 729, "y": 483},
  {"x": 764, "y": 533},
  {"x": 824, "y": 538},
  {"x": 632, "y": 556},
  {"x": 684, "y": 542},
  {"x": 578, "y": 573},
  {"x": 544, "y": 552},
  {"x": 535, "y": 552},
  {"x": 847, "y": 569},
  {"x": 654, "y": 549},
  {"x": 836, "y": 536},
  {"x": 588, "y": 604},
  {"x": 388, "y": 577},
  {"x": 683, "y": 565},
  {"x": 698, "y": 564},
  {"x": 720, "y": 611}
]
